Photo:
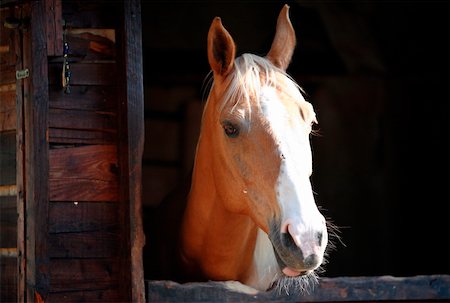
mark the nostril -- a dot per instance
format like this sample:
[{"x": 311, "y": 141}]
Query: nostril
[
  {"x": 288, "y": 241},
  {"x": 311, "y": 261}
]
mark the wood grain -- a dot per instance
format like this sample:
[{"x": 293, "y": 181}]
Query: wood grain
[
  {"x": 87, "y": 173},
  {"x": 84, "y": 245},
  {"x": 83, "y": 274},
  {"x": 69, "y": 217},
  {"x": 342, "y": 289}
]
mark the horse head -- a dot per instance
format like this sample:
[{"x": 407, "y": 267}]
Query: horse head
[{"x": 255, "y": 145}]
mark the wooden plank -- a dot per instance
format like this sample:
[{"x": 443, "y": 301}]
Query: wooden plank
[
  {"x": 92, "y": 98},
  {"x": 83, "y": 190},
  {"x": 90, "y": 44},
  {"x": 83, "y": 274},
  {"x": 97, "y": 162},
  {"x": 102, "y": 295},
  {"x": 7, "y": 74},
  {"x": 8, "y": 117},
  {"x": 20, "y": 167},
  {"x": 36, "y": 151},
  {"x": 8, "y": 190},
  {"x": 8, "y": 252},
  {"x": 53, "y": 11},
  {"x": 131, "y": 149},
  {"x": 82, "y": 217},
  {"x": 82, "y": 120},
  {"x": 82, "y": 14},
  {"x": 342, "y": 289},
  {"x": 85, "y": 74},
  {"x": 7, "y": 56},
  {"x": 5, "y": 88},
  {"x": 20, "y": 170},
  {"x": 74, "y": 136},
  {"x": 7, "y": 158},
  {"x": 84, "y": 245},
  {"x": 8, "y": 280},
  {"x": 8, "y": 222},
  {"x": 88, "y": 173}
]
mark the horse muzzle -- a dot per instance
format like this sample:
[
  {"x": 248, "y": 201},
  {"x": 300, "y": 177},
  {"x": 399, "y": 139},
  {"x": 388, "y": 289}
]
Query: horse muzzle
[{"x": 297, "y": 252}]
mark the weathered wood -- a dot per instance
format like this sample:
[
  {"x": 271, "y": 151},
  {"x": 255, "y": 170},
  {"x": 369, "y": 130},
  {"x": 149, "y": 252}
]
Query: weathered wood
[
  {"x": 75, "y": 136},
  {"x": 8, "y": 190},
  {"x": 93, "y": 169},
  {"x": 91, "y": 98},
  {"x": 342, "y": 289},
  {"x": 102, "y": 295},
  {"x": 8, "y": 252},
  {"x": 8, "y": 222},
  {"x": 84, "y": 245},
  {"x": 92, "y": 190},
  {"x": 20, "y": 172},
  {"x": 8, "y": 280},
  {"x": 82, "y": 217},
  {"x": 98, "y": 162},
  {"x": 82, "y": 120},
  {"x": 8, "y": 117},
  {"x": 82, "y": 14},
  {"x": 87, "y": 44},
  {"x": 131, "y": 146},
  {"x": 36, "y": 151},
  {"x": 7, "y": 158},
  {"x": 7, "y": 56},
  {"x": 83, "y": 274},
  {"x": 85, "y": 74},
  {"x": 4, "y": 88},
  {"x": 53, "y": 11},
  {"x": 7, "y": 74}
]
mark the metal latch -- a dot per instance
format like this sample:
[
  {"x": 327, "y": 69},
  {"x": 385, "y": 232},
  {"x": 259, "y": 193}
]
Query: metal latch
[{"x": 22, "y": 74}]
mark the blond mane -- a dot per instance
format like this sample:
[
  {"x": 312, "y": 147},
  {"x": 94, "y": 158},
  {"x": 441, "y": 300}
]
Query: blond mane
[{"x": 250, "y": 73}]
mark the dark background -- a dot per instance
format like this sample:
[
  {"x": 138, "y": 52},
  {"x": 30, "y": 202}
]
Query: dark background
[{"x": 377, "y": 75}]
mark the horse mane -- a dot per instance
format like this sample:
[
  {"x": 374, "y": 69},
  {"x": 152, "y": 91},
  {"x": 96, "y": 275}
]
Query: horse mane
[{"x": 250, "y": 73}]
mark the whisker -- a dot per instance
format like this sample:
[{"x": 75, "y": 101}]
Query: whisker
[{"x": 303, "y": 284}]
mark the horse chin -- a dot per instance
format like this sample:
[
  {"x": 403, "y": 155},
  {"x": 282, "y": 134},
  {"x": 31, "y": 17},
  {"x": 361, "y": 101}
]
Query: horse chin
[{"x": 303, "y": 283}]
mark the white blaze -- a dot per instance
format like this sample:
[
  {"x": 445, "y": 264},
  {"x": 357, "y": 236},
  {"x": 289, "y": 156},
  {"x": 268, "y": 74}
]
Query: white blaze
[{"x": 295, "y": 196}]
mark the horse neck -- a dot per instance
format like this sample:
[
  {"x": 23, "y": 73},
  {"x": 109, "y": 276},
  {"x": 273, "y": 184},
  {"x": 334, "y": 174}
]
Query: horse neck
[{"x": 218, "y": 241}]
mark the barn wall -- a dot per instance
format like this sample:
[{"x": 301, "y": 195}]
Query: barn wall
[
  {"x": 11, "y": 160},
  {"x": 83, "y": 235},
  {"x": 84, "y": 221}
]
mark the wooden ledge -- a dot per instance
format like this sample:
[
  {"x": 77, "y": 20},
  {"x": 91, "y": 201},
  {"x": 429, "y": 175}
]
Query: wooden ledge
[{"x": 341, "y": 289}]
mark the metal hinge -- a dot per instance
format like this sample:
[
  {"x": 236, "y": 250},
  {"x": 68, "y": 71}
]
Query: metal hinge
[{"x": 22, "y": 74}]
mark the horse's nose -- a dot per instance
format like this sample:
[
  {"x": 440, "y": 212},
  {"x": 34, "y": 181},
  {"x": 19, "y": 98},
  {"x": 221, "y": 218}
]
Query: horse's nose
[{"x": 308, "y": 243}]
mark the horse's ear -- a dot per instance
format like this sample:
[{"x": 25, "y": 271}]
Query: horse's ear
[
  {"x": 283, "y": 44},
  {"x": 221, "y": 48}
]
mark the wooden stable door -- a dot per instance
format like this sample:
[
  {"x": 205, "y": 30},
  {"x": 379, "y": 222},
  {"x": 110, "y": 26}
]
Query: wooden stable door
[{"x": 12, "y": 77}]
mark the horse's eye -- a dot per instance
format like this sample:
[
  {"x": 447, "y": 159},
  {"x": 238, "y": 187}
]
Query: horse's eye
[{"x": 230, "y": 129}]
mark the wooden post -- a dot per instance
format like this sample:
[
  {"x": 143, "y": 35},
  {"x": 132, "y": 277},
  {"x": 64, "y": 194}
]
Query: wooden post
[
  {"x": 132, "y": 141},
  {"x": 36, "y": 153},
  {"x": 53, "y": 10},
  {"x": 20, "y": 173}
]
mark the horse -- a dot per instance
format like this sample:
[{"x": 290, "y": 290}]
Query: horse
[{"x": 251, "y": 215}]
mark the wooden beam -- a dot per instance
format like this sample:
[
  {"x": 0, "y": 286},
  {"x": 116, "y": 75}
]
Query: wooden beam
[
  {"x": 131, "y": 127},
  {"x": 8, "y": 252},
  {"x": 36, "y": 152},
  {"x": 20, "y": 167},
  {"x": 53, "y": 9},
  {"x": 8, "y": 190},
  {"x": 341, "y": 289}
]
